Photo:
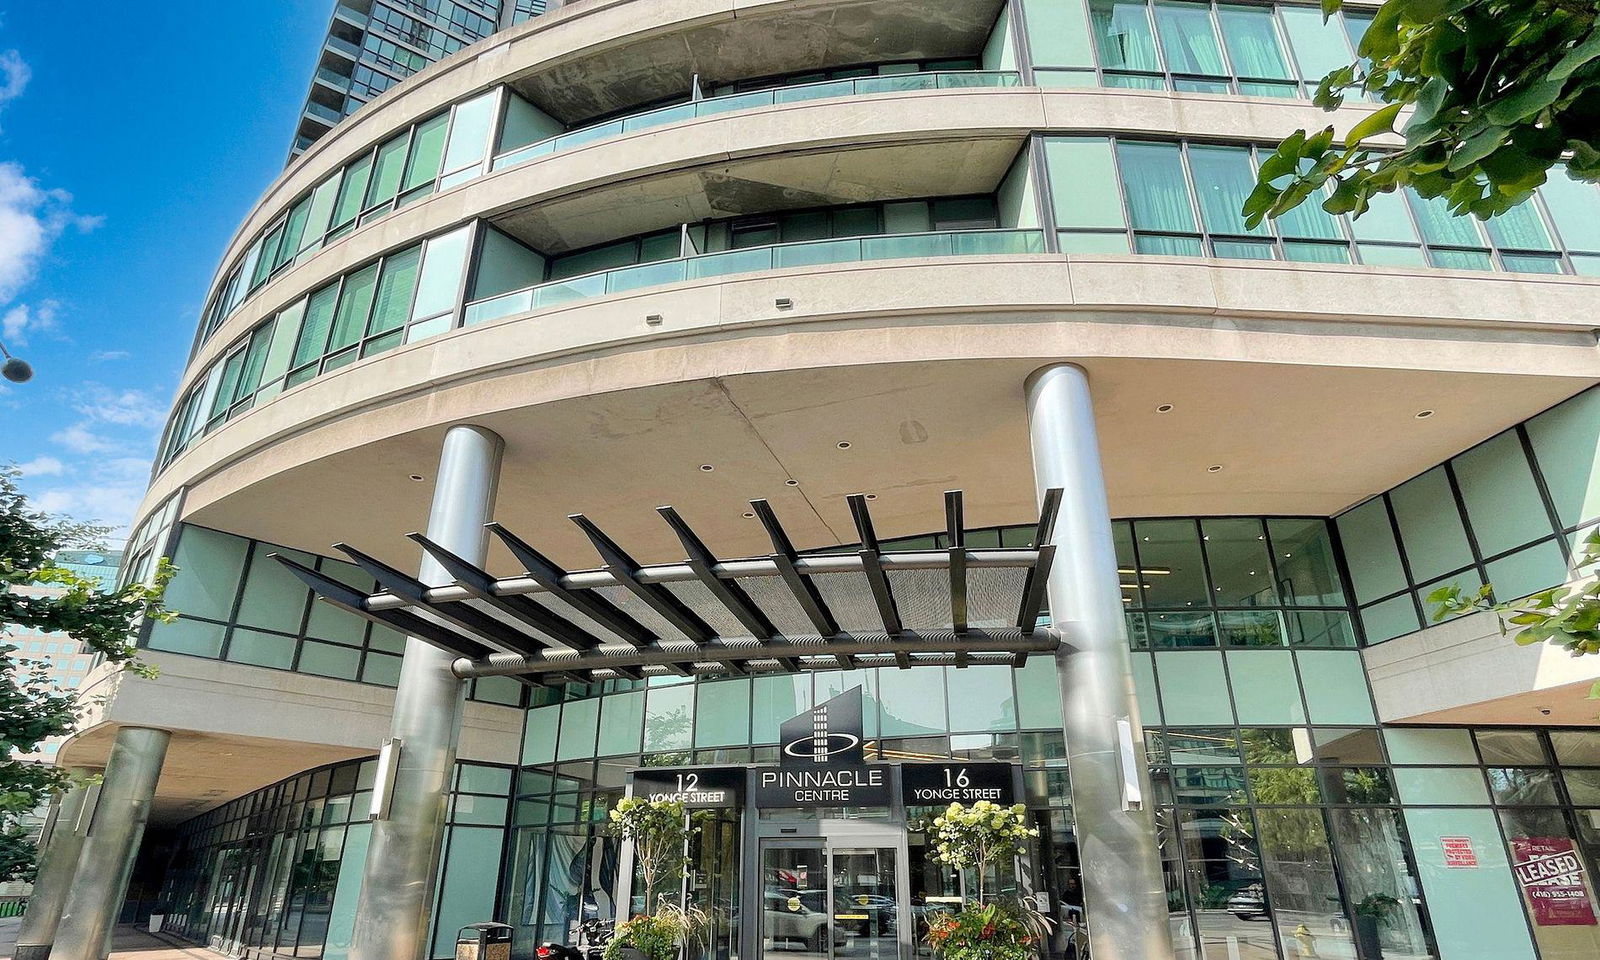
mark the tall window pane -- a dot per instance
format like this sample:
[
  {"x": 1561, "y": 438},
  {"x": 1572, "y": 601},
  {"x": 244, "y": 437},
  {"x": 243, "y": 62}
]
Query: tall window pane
[
  {"x": 1521, "y": 227},
  {"x": 1083, "y": 182},
  {"x": 1307, "y": 571},
  {"x": 1188, "y": 38},
  {"x": 1566, "y": 442},
  {"x": 1430, "y": 526},
  {"x": 1241, "y": 573},
  {"x": 1441, "y": 226},
  {"x": 1156, "y": 189},
  {"x": 1575, "y": 207},
  {"x": 393, "y": 301},
  {"x": 1370, "y": 551},
  {"x": 355, "y": 302},
  {"x": 427, "y": 148},
  {"x": 351, "y": 191},
  {"x": 1319, "y": 48},
  {"x": 1503, "y": 503},
  {"x": 1122, "y": 35},
  {"x": 387, "y": 170},
  {"x": 1223, "y": 178},
  {"x": 1251, "y": 36},
  {"x": 1170, "y": 563},
  {"x": 314, "y": 331},
  {"x": 469, "y": 132}
]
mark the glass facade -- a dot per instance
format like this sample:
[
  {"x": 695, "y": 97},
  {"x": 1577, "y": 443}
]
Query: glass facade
[
  {"x": 1122, "y": 195},
  {"x": 1509, "y": 511},
  {"x": 277, "y": 872},
  {"x": 238, "y": 605}
]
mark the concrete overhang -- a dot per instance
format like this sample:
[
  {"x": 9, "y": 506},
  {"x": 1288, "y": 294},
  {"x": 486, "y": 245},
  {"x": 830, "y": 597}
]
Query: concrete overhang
[
  {"x": 747, "y": 41},
  {"x": 238, "y": 728},
  {"x": 1465, "y": 671}
]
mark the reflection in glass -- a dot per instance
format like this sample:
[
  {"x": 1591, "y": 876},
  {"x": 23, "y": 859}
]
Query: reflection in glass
[
  {"x": 1384, "y": 895},
  {"x": 1301, "y": 880}
]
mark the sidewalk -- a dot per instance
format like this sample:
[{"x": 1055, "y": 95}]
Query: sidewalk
[{"x": 127, "y": 943}]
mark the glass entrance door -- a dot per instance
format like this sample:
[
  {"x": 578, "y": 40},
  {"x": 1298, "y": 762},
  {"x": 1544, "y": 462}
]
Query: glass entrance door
[
  {"x": 866, "y": 909},
  {"x": 832, "y": 900}
]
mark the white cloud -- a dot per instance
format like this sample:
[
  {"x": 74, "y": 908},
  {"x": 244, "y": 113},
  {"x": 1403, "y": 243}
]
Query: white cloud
[
  {"x": 103, "y": 490},
  {"x": 125, "y": 408},
  {"x": 31, "y": 218},
  {"x": 105, "y": 356},
  {"x": 41, "y": 467},
  {"x": 78, "y": 438},
  {"x": 14, "y": 75},
  {"x": 21, "y": 320}
]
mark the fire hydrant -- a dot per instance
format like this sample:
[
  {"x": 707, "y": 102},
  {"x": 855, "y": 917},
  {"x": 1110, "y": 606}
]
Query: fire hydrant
[{"x": 1308, "y": 942}]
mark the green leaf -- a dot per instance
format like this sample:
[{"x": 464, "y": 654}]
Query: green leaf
[
  {"x": 1594, "y": 691},
  {"x": 1524, "y": 104},
  {"x": 1330, "y": 7},
  {"x": 1381, "y": 121},
  {"x": 1477, "y": 148},
  {"x": 1579, "y": 55}
]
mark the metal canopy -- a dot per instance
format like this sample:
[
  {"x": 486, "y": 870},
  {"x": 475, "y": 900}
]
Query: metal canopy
[{"x": 781, "y": 613}]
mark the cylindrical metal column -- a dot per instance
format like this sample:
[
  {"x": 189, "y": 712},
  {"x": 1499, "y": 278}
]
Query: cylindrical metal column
[
  {"x": 1122, "y": 881},
  {"x": 118, "y": 822},
  {"x": 59, "y": 850},
  {"x": 397, "y": 884}
]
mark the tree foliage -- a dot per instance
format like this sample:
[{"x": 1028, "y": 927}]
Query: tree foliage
[
  {"x": 103, "y": 620},
  {"x": 658, "y": 829},
  {"x": 1501, "y": 91}
]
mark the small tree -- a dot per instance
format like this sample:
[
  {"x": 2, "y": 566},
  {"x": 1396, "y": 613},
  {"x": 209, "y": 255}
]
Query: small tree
[
  {"x": 658, "y": 830},
  {"x": 983, "y": 835},
  {"x": 31, "y": 708}
]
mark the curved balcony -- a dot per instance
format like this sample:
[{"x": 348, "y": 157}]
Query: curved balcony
[{"x": 953, "y": 243}]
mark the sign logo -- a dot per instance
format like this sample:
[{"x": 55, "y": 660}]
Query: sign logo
[{"x": 829, "y": 732}]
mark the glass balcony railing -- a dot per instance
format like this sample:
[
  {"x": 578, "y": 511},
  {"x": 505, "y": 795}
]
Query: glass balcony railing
[
  {"x": 822, "y": 90},
  {"x": 323, "y": 113},
  {"x": 753, "y": 259}
]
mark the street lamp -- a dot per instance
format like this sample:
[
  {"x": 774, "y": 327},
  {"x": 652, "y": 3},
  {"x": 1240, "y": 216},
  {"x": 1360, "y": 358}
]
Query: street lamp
[{"x": 15, "y": 369}]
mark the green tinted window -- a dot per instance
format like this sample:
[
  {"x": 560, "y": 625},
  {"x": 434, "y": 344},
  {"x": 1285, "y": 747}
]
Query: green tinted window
[
  {"x": 393, "y": 302},
  {"x": 387, "y": 170},
  {"x": 427, "y": 149},
  {"x": 355, "y": 303},
  {"x": 351, "y": 189},
  {"x": 314, "y": 330}
]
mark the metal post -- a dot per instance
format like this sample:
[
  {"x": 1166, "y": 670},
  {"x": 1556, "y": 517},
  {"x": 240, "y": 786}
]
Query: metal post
[
  {"x": 59, "y": 848},
  {"x": 100, "y": 881},
  {"x": 397, "y": 885},
  {"x": 1122, "y": 882}
]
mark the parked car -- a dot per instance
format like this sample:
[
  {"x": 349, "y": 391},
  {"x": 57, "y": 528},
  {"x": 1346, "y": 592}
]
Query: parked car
[{"x": 1249, "y": 903}]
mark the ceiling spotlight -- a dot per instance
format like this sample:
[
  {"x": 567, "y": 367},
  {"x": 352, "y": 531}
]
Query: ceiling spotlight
[
  {"x": 749, "y": 515},
  {"x": 872, "y": 496},
  {"x": 1424, "y": 414},
  {"x": 417, "y": 477},
  {"x": 791, "y": 482},
  {"x": 844, "y": 444},
  {"x": 1214, "y": 468},
  {"x": 1164, "y": 408},
  {"x": 706, "y": 467}
]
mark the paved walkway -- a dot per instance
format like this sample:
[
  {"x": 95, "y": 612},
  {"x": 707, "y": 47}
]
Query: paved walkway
[{"x": 127, "y": 943}]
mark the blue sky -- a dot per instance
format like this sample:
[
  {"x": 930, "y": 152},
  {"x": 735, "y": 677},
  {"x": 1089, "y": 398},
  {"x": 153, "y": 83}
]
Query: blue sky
[{"x": 133, "y": 138}]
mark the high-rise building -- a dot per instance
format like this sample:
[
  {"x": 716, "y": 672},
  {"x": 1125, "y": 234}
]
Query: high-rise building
[
  {"x": 803, "y": 269},
  {"x": 374, "y": 44}
]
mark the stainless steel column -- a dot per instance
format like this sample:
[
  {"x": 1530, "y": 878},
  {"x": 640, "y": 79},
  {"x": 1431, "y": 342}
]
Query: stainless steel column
[
  {"x": 397, "y": 884},
  {"x": 1122, "y": 883},
  {"x": 100, "y": 881},
  {"x": 59, "y": 850}
]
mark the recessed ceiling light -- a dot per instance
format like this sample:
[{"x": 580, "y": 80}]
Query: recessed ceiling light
[
  {"x": 417, "y": 477},
  {"x": 707, "y": 467},
  {"x": 872, "y": 496},
  {"x": 791, "y": 482},
  {"x": 1214, "y": 468},
  {"x": 749, "y": 515},
  {"x": 844, "y": 444},
  {"x": 1164, "y": 408},
  {"x": 1424, "y": 414}
]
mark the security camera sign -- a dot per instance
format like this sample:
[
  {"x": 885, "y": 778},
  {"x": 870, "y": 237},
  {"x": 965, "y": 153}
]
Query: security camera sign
[{"x": 1551, "y": 875}]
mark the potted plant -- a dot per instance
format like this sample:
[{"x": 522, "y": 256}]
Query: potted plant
[
  {"x": 659, "y": 831},
  {"x": 978, "y": 838},
  {"x": 1372, "y": 913}
]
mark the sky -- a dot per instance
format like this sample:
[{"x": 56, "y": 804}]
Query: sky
[{"x": 134, "y": 137}]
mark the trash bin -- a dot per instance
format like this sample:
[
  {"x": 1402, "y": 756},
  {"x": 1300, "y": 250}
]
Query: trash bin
[
  {"x": 484, "y": 941},
  {"x": 156, "y": 920}
]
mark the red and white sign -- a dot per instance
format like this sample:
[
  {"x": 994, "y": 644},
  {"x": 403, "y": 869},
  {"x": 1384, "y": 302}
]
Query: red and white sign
[
  {"x": 1458, "y": 852},
  {"x": 1551, "y": 874}
]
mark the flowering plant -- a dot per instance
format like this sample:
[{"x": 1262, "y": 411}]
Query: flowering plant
[
  {"x": 979, "y": 836},
  {"x": 981, "y": 931},
  {"x": 657, "y": 936}
]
